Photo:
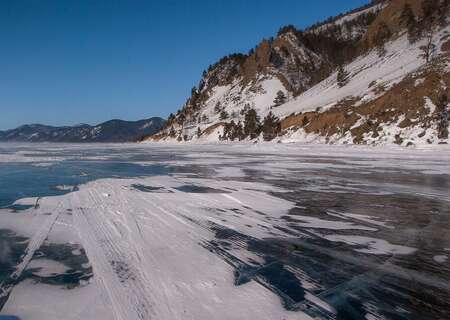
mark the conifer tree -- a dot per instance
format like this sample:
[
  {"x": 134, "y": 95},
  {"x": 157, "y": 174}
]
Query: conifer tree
[
  {"x": 172, "y": 132},
  {"x": 305, "y": 121},
  {"x": 251, "y": 124},
  {"x": 430, "y": 8},
  {"x": 407, "y": 15},
  {"x": 279, "y": 99},
  {"x": 171, "y": 118},
  {"x": 239, "y": 131},
  {"x": 218, "y": 107},
  {"x": 443, "y": 13},
  {"x": 223, "y": 115},
  {"x": 383, "y": 34},
  {"x": 231, "y": 131},
  {"x": 226, "y": 132},
  {"x": 409, "y": 21},
  {"x": 342, "y": 76},
  {"x": 245, "y": 109},
  {"x": 443, "y": 117},
  {"x": 181, "y": 118},
  {"x": 271, "y": 127}
]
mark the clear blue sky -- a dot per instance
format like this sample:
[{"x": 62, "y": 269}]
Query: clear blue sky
[{"x": 64, "y": 62}]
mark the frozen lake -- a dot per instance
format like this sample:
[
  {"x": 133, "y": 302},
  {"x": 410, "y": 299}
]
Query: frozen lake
[{"x": 241, "y": 231}]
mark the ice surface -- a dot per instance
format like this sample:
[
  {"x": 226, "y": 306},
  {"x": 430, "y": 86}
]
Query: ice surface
[
  {"x": 441, "y": 258},
  {"x": 46, "y": 267},
  {"x": 234, "y": 232},
  {"x": 375, "y": 246}
]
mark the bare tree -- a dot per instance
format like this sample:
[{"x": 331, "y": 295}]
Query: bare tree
[{"x": 429, "y": 49}]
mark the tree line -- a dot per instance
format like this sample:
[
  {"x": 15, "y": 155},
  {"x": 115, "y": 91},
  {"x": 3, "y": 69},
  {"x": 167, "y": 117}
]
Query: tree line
[{"x": 252, "y": 127}]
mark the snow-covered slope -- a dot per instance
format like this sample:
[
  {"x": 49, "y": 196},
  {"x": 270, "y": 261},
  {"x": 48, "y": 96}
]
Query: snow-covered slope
[
  {"x": 365, "y": 72},
  {"x": 388, "y": 84},
  {"x": 346, "y": 27}
]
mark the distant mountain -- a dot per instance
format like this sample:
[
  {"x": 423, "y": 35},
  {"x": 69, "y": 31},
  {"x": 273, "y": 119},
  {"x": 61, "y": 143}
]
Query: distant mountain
[
  {"x": 109, "y": 131},
  {"x": 379, "y": 74}
]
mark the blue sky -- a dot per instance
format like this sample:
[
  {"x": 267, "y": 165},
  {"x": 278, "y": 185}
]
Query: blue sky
[{"x": 65, "y": 62}]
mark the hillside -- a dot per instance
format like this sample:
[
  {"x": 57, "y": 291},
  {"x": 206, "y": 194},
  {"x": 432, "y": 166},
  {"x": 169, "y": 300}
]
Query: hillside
[
  {"x": 110, "y": 131},
  {"x": 378, "y": 74}
]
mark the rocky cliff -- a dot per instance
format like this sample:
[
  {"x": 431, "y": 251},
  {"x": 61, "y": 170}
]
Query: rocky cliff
[{"x": 378, "y": 74}]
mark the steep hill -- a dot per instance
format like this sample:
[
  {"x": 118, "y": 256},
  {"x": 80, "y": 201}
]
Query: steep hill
[
  {"x": 378, "y": 74},
  {"x": 110, "y": 131}
]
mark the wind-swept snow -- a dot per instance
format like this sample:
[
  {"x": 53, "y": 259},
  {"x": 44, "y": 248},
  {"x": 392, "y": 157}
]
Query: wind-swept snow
[
  {"x": 234, "y": 232},
  {"x": 145, "y": 252}
]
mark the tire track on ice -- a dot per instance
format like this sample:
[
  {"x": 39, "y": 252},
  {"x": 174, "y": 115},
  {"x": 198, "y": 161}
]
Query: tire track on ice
[
  {"x": 144, "y": 257},
  {"x": 116, "y": 260}
]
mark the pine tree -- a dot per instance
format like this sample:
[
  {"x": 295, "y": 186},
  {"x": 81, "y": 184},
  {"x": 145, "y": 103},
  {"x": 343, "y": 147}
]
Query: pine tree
[
  {"x": 201, "y": 83},
  {"x": 170, "y": 118},
  {"x": 181, "y": 118},
  {"x": 342, "y": 76},
  {"x": 194, "y": 98},
  {"x": 430, "y": 8},
  {"x": 226, "y": 132},
  {"x": 231, "y": 134},
  {"x": 305, "y": 121},
  {"x": 271, "y": 127},
  {"x": 383, "y": 34},
  {"x": 217, "y": 107},
  {"x": 172, "y": 132},
  {"x": 434, "y": 13},
  {"x": 443, "y": 117},
  {"x": 409, "y": 21},
  {"x": 245, "y": 109},
  {"x": 223, "y": 115},
  {"x": 251, "y": 124},
  {"x": 443, "y": 13},
  {"x": 239, "y": 131},
  {"x": 407, "y": 15},
  {"x": 279, "y": 99}
]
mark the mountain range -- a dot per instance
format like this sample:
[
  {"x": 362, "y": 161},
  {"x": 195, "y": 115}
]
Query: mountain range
[
  {"x": 109, "y": 131},
  {"x": 379, "y": 74}
]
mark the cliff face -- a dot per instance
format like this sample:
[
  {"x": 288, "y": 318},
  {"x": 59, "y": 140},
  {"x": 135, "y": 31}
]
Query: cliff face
[{"x": 378, "y": 74}]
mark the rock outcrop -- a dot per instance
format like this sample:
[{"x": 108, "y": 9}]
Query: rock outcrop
[{"x": 378, "y": 74}]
